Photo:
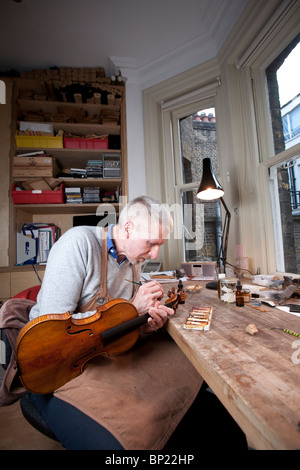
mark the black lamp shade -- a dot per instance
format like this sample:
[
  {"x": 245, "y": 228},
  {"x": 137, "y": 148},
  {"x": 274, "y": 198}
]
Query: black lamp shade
[{"x": 209, "y": 188}]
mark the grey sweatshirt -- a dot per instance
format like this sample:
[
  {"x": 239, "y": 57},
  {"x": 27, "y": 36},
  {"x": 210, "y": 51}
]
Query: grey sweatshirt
[{"x": 73, "y": 273}]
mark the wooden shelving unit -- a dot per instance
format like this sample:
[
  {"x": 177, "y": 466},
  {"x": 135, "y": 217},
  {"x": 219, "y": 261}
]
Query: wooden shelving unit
[{"x": 62, "y": 214}]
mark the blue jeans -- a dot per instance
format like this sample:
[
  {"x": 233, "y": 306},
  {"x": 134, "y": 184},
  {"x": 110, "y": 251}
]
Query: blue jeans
[{"x": 74, "y": 429}]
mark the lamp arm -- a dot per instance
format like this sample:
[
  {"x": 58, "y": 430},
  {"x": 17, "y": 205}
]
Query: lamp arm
[{"x": 223, "y": 251}]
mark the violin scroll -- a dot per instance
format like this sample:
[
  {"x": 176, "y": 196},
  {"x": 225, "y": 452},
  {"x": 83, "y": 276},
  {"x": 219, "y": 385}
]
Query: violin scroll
[{"x": 174, "y": 299}]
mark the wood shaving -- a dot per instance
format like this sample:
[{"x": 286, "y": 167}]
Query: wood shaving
[{"x": 251, "y": 329}]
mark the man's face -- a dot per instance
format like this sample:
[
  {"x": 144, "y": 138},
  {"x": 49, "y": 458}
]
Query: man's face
[{"x": 143, "y": 243}]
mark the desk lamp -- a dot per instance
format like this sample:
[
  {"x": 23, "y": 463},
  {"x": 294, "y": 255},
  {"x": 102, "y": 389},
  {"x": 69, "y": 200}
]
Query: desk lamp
[{"x": 209, "y": 190}]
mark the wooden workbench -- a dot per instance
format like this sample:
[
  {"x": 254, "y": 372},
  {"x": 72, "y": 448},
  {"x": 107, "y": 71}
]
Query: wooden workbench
[{"x": 257, "y": 378}]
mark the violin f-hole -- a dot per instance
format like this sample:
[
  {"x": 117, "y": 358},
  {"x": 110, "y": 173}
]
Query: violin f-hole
[
  {"x": 79, "y": 331},
  {"x": 77, "y": 362}
]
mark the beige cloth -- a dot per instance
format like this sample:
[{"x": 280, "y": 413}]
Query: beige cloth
[
  {"x": 14, "y": 315},
  {"x": 139, "y": 396}
]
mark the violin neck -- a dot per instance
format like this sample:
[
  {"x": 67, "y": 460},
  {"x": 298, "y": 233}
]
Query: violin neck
[
  {"x": 171, "y": 304},
  {"x": 116, "y": 332}
]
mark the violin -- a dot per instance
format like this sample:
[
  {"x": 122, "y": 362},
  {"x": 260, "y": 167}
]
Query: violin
[{"x": 53, "y": 349}]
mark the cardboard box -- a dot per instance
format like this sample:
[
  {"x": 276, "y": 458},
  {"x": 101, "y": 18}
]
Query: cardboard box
[
  {"x": 45, "y": 166},
  {"x": 36, "y": 183}
]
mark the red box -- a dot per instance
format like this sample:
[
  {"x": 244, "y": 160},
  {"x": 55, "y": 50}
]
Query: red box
[
  {"x": 38, "y": 196},
  {"x": 83, "y": 143}
]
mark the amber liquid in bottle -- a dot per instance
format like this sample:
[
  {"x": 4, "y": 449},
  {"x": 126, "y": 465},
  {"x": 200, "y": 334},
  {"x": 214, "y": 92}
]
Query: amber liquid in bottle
[{"x": 239, "y": 296}]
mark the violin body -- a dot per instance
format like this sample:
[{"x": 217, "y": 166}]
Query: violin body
[{"x": 53, "y": 349}]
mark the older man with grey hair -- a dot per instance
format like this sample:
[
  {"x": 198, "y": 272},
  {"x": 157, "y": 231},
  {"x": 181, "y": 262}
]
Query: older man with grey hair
[{"x": 135, "y": 400}]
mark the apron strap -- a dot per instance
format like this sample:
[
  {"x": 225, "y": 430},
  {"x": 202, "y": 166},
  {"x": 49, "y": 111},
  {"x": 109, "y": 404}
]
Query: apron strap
[{"x": 101, "y": 297}]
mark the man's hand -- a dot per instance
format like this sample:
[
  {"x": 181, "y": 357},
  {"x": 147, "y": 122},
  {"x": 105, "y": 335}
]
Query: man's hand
[
  {"x": 147, "y": 296},
  {"x": 159, "y": 315},
  {"x": 147, "y": 300}
]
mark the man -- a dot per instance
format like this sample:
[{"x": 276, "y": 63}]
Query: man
[
  {"x": 73, "y": 272},
  {"x": 124, "y": 402}
]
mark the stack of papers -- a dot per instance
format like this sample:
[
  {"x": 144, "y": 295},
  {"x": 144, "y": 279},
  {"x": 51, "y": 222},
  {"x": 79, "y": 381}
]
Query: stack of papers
[{"x": 164, "y": 276}]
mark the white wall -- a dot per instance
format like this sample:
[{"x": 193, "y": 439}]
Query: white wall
[{"x": 135, "y": 141}]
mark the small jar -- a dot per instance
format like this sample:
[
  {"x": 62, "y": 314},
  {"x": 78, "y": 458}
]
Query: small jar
[
  {"x": 220, "y": 276},
  {"x": 247, "y": 295},
  {"x": 239, "y": 296},
  {"x": 227, "y": 289}
]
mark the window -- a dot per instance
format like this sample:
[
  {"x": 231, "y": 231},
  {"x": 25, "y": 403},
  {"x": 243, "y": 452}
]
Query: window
[
  {"x": 165, "y": 109},
  {"x": 202, "y": 229},
  {"x": 283, "y": 77},
  {"x": 291, "y": 122}
]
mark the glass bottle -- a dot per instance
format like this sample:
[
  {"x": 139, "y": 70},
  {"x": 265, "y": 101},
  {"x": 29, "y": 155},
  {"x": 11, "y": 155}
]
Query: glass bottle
[
  {"x": 221, "y": 276},
  {"x": 239, "y": 295},
  {"x": 227, "y": 289}
]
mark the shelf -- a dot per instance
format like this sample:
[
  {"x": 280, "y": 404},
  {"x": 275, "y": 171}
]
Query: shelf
[
  {"x": 23, "y": 269},
  {"x": 38, "y": 209},
  {"x": 84, "y": 128},
  {"x": 70, "y": 158},
  {"x": 51, "y": 106},
  {"x": 103, "y": 183},
  {"x": 64, "y": 151},
  {"x": 62, "y": 214}
]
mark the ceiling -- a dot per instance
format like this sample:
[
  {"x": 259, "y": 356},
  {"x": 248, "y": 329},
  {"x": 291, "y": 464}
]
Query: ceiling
[{"x": 139, "y": 34}]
